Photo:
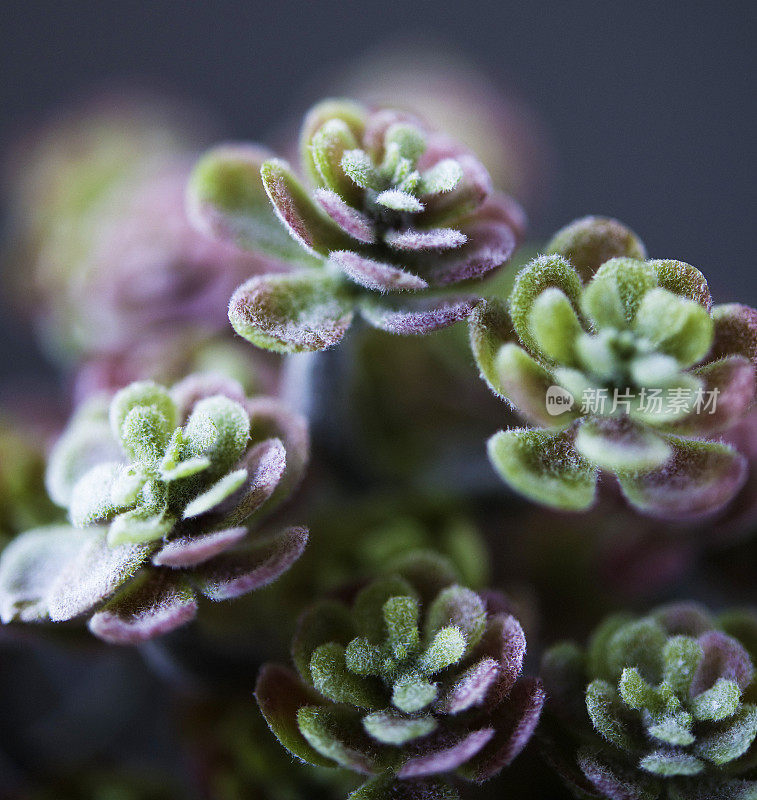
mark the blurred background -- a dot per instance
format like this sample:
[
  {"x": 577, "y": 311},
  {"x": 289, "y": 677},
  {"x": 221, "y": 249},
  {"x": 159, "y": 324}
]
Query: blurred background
[{"x": 643, "y": 111}]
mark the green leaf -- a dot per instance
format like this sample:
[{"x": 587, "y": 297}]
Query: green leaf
[
  {"x": 145, "y": 433},
  {"x": 390, "y": 728},
  {"x": 145, "y": 394},
  {"x": 409, "y": 139},
  {"x": 91, "y": 498},
  {"x": 216, "y": 494},
  {"x": 219, "y": 429},
  {"x": 731, "y": 742},
  {"x": 351, "y": 114},
  {"x": 328, "y": 146},
  {"x": 681, "y": 656},
  {"x": 324, "y": 621},
  {"x": 359, "y": 168},
  {"x": 411, "y": 693},
  {"x": 138, "y": 527},
  {"x": 554, "y": 325},
  {"x": 444, "y": 176},
  {"x": 617, "y": 444},
  {"x": 489, "y": 327},
  {"x": 397, "y": 200},
  {"x": 682, "y": 279},
  {"x": 226, "y": 199},
  {"x": 718, "y": 702},
  {"x": 606, "y": 715},
  {"x": 401, "y": 619},
  {"x": 333, "y": 679},
  {"x": 544, "y": 467},
  {"x": 368, "y": 609},
  {"x": 681, "y": 328},
  {"x": 590, "y": 241},
  {"x": 446, "y": 648},
  {"x": 540, "y": 274},
  {"x": 330, "y": 732},
  {"x": 636, "y": 644},
  {"x": 461, "y": 607},
  {"x": 671, "y": 763},
  {"x": 627, "y": 278},
  {"x": 293, "y": 313}
]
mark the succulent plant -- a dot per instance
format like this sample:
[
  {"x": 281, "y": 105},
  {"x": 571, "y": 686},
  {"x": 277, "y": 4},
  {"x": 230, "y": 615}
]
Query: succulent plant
[
  {"x": 660, "y": 707},
  {"x": 415, "y": 680},
  {"x": 396, "y": 214},
  {"x": 619, "y": 374},
  {"x": 160, "y": 489}
]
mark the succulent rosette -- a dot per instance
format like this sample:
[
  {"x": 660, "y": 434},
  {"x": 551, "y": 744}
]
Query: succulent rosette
[
  {"x": 161, "y": 488},
  {"x": 625, "y": 373},
  {"x": 660, "y": 707},
  {"x": 414, "y": 681},
  {"x": 395, "y": 214}
]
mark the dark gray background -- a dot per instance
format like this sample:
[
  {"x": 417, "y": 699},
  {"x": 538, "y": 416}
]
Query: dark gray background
[{"x": 650, "y": 106}]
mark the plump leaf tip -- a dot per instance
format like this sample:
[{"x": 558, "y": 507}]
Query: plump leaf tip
[
  {"x": 417, "y": 679},
  {"x": 657, "y": 706},
  {"x": 160, "y": 487},
  {"x": 620, "y": 364},
  {"x": 392, "y": 215}
]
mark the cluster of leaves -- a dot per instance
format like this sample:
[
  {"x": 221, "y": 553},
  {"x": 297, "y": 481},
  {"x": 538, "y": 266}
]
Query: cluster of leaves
[
  {"x": 161, "y": 488},
  {"x": 662, "y": 706},
  {"x": 397, "y": 214},
  {"x": 415, "y": 679},
  {"x": 643, "y": 363}
]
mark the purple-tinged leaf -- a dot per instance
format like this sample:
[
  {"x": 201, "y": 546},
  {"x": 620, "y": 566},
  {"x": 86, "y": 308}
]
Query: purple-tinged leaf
[
  {"x": 471, "y": 688},
  {"x": 387, "y": 787},
  {"x": 308, "y": 225},
  {"x": 471, "y": 191},
  {"x": 237, "y": 572},
  {"x": 615, "y": 782},
  {"x": 336, "y": 732},
  {"x": 446, "y": 757},
  {"x": 189, "y": 550},
  {"x": 417, "y": 318},
  {"x": 375, "y": 275},
  {"x": 265, "y": 463},
  {"x": 728, "y": 391},
  {"x": 724, "y": 657},
  {"x": 215, "y": 495},
  {"x": 189, "y": 391},
  {"x": 397, "y": 200},
  {"x": 226, "y": 199},
  {"x": 699, "y": 478},
  {"x": 514, "y": 722},
  {"x": 489, "y": 246},
  {"x": 505, "y": 642},
  {"x": 618, "y": 443},
  {"x": 30, "y": 564},
  {"x": 269, "y": 417},
  {"x": 94, "y": 575},
  {"x": 544, "y": 467},
  {"x": 735, "y": 332},
  {"x": 433, "y": 239},
  {"x": 294, "y": 313},
  {"x": 280, "y": 695},
  {"x": 148, "y": 607},
  {"x": 349, "y": 219}
]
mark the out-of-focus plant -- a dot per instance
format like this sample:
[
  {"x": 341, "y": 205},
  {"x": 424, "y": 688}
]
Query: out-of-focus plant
[
  {"x": 396, "y": 214},
  {"x": 661, "y": 706},
  {"x": 413, "y": 681},
  {"x": 101, "y": 256},
  {"x": 161, "y": 488},
  {"x": 625, "y": 373}
]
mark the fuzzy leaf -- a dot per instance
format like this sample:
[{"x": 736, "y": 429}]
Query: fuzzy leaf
[
  {"x": 469, "y": 194},
  {"x": 625, "y": 278},
  {"x": 401, "y": 620},
  {"x": 325, "y": 621},
  {"x": 91, "y": 497},
  {"x": 138, "y": 527},
  {"x": 397, "y": 200},
  {"x": 353, "y": 222},
  {"x": 280, "y": 695},
  {"x": 460, "y": 607},
  {"x": 447, "y": 757},
  {"x": 434, "y": 239},
  {"x": 351, "y": 114},
  {"x": 387, "y": 787},
  {"x": 240, "y": 571},
  {"x": 375, "y": 275},
  {"x": 327, "y": 147},
  {"x": 735, "y": 332},
  {"x": 718, "y": 702},
  {"x": 472, "y": 687},
  {"x": 681, "y": 656},
  {"x": 699, "y": 478},
  {"x": 369, "y": 604},
  {"x": 216, "y": 494},
  {"x": 226, "y": 199},
  {"x": 411, "y": 318},
  {"x": 681, "y": 328},
  {"x": 444, "y": 176},
  {"x": 148, "y": 607},
  {"x": 313, "y": 230},
  {"x": 334, "y": 733},
  {"x": 682, "y": 279},
  {"x": 291, "y": 313},
  {"x": 390, "y": 728},
  {"x": 671, "y": 763},
  {"x": 732, "y": 741},
  {"x": 618, "y": 444},
  {"x": 218, "y": 428},
  {"x": 590, "y": 241},
  {"x": 411, "y": 694},
  {"x": 192, "y": 549},
  {"x": 446, "y": 648},
  {"x": 92, "y": 576},
  {"x": 334, "y": 680},
  {"x": 554, "y": 325},
  {"x": 358, "y": 167},
  {"x": 30, "y": 565},
  {"x": 542, "y": 273},
  {"x": 606, "y": 715},
  {"x": 490, "y": 327},
  {"x": 544, "y": 467}
]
